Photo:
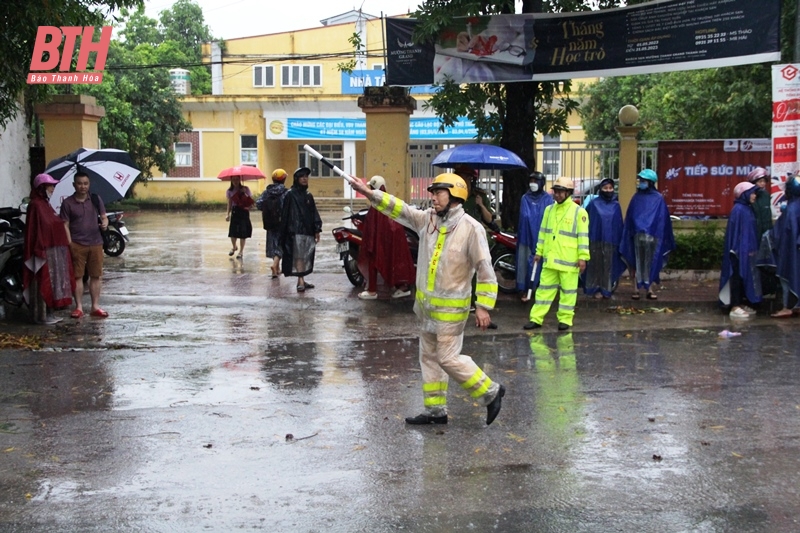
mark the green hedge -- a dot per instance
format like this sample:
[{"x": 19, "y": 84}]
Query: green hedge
[{"x": 698, "y": 249}]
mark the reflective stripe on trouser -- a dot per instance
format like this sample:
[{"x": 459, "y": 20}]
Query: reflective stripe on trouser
[
  {"x": 550, "y": 282},
  {"x": 440, "y": 357}
]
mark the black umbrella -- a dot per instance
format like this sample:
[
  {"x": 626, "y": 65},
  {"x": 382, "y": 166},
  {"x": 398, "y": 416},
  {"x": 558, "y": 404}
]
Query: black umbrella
[{"x": 111, "y": 173}]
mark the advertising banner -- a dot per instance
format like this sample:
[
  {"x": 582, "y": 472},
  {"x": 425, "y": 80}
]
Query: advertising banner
[
  {"x": 785, "y": 126},
  {"x": 654, "y": 37},
  {"x": 355, "y": 129},
  {"x": 697, "y": 178}
]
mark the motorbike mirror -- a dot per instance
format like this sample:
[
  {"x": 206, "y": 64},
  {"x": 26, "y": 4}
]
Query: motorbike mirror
[
  {"x": 5, "y": 225},
  {"x": 24, "y": 205}
]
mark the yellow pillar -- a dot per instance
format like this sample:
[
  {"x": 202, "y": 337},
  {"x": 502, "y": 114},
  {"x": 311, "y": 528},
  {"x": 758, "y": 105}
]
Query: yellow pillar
[
  {"x": 388, "y": 111},
  {"x": 70, "y": 122},
  {"x": 628, "y": 156}
]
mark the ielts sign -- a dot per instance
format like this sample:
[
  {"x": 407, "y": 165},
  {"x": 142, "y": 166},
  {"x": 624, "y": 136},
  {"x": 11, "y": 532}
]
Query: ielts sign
[{"x": 49, "y": 41}]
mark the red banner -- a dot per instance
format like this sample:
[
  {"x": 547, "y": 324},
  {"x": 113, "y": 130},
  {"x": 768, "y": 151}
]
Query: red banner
[{"x": 697, "y": 178}]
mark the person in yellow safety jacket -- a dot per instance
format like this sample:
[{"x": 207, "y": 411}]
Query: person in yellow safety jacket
[
  {"x": 562, "y": 252},
  {"x": 452, "y": 248}
]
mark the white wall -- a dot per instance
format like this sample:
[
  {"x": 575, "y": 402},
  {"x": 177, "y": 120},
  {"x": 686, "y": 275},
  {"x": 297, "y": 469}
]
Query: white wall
[{"x": 15, "y": 168}]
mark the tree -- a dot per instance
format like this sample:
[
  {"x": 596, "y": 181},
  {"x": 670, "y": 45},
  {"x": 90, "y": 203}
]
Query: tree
[
  {"x": 184, "y": 26},
  {"x": 506, "y": 114},
  {"x": 177, "y": 39},
  {"x": 139, "y": 29},
  {"x": 715, "y": 103},
  {"x": 143, "y": 114},
  {"x": 21, "y": 20}
]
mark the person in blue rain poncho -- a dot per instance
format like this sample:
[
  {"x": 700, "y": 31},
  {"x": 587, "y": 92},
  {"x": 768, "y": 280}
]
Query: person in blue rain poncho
[
  {"x": 786, "y": 247},
  {"x": 605, "y": 234},
  {"x": 739, "y": 278},
  {"x": 531, "y": 211},
  {"x": 647, "y": 237}
]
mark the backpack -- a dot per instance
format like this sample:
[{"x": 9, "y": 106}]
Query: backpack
[{"x": 271, "y": 208}]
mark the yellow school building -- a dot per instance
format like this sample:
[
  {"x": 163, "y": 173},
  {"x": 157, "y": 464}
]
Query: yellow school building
[{"x": 274, "y": 93}]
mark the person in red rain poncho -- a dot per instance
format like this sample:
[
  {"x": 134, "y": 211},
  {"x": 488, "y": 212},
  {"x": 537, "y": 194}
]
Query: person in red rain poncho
[
  {"x": 384, "y": 250},
  {"x": 47, "y": 276}
]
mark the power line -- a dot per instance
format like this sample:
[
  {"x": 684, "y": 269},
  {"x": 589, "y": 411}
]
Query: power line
[{"x": 249, "y": 59}]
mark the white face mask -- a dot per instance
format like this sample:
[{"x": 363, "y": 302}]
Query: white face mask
[{"x": 534, "y": 187}]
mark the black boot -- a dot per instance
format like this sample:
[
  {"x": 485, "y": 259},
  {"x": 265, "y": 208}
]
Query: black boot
[
  {"x": 531, "y": 325},
  {"x": 562, "y": 326},
  {"x": 493, "y": 409},
  {"x": 424, "y": 419}
]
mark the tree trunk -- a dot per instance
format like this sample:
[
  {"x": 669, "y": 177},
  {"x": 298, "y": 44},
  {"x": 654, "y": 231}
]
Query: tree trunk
[{"x": 519, "y": 136}]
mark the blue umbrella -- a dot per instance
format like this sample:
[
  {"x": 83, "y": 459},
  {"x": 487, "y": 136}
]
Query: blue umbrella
[{"x": 480, "y": 156}]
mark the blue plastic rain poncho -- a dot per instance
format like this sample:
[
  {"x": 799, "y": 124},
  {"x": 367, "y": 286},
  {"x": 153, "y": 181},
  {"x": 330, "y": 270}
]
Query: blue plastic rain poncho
[
  {"x": 605, "y": 234},
  {"x": 786, "y": 242},
  {"x": 647, "y": 236},
  {"x": 531, "y": 211},
  {"x": 740, "y": 251}
]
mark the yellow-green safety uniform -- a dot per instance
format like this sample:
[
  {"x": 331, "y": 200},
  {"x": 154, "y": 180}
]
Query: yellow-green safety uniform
[
  {"x": 563, "y": 241},
  {"x": 452, "y": 249}
]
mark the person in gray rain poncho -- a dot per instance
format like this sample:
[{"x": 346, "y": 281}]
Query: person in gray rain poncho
[
  {"x": 299, "y": 231},
  {"x": 452, "y": 248}
]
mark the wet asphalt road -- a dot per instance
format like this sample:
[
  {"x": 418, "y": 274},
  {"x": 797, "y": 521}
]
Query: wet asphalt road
[{"x": 175, "y": 414}]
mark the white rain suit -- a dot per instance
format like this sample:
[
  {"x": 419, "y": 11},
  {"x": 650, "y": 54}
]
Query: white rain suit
[{"x": 451, "y": 250}]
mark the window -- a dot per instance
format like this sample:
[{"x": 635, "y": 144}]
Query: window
[
  {"x": 183, "y": 154},
  {"x": 551, "y": 158},
  {"x": 332, "y": 152},
  {"x": 249, "y": 150},
  {"x": 377, "y": 66},
  {"x": 301, "y": 75},
  {"x": 263, "y": 76}
]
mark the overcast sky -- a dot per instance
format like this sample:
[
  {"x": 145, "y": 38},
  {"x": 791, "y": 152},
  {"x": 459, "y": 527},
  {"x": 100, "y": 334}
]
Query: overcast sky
[{"x": 229, "y": 19}]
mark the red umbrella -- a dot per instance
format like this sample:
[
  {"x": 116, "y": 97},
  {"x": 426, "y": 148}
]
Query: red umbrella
[{"x": 243, "y": 171}]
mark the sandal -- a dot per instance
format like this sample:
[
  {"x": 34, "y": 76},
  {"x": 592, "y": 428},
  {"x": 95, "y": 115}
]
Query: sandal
[
  {"x": 309, "y": 285},
  {"x": 652, "y": 296},
  {"x": 99, "y": 313},
  {"x": 635, "y": 296},
  {"x": 783, "y": 313},
  {"x": 301, "y": 288},
  {"x": 77, "y": 313},
  {"x": 233, "y": 251}
]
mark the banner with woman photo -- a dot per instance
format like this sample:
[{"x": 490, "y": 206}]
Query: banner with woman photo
[{"x": 654, "y": 37}]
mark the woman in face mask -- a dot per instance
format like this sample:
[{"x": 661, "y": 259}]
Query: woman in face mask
[
  {"x": 531, "y": 211},
  {"x": 647, "y": 237},
  {"x": 605, "y": 233},
  {"x": 47, "y": 273}
]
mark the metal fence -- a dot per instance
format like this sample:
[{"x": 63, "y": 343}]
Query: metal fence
[{"x": 586, "y": 163}]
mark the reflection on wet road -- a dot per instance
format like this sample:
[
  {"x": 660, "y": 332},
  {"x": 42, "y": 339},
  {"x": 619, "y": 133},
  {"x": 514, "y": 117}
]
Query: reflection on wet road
[{"x": 219, "y": 400}]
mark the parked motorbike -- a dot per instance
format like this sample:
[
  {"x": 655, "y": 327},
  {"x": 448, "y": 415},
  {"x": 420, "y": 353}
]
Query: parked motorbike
[
  {"x": 12, "y": 241},
  {"x": 348, "y": 243},
  {"x": 116, "y": 236},
  {"x": 504, "y": 260}
]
